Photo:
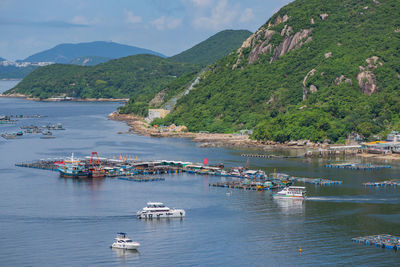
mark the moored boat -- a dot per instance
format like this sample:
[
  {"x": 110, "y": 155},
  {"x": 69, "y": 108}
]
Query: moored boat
[{"x": 72, "y": 168}]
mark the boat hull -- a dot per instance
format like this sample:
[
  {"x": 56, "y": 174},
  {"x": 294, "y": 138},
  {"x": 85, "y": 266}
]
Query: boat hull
[
  {"x": 129, "y": 246},
  {"x": 161, "y": 214},
  {"x": 288, "y": 197}
]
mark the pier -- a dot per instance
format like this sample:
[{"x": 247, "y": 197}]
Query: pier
[{"x": 382, "y": 241}]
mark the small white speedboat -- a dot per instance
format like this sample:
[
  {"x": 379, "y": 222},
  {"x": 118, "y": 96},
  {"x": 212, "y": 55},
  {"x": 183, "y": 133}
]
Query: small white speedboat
[
  {"x": 122, "y": 241},
  {"x": 157, "y": 210},
  {"x": 298, "y": 192}
]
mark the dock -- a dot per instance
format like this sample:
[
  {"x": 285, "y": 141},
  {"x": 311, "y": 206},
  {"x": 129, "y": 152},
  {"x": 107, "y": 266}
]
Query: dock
[{"x": 382, "y": 241}]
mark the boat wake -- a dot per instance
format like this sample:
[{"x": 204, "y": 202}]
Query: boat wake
[{"x": 355, "y": 199}]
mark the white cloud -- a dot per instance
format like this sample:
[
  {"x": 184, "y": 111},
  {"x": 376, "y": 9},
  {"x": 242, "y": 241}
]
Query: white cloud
[
  {"x": 131, "y": 18},
  {"x": 164, "y": 22},
  {"x": 222, "y": 15},
  {"x": 247, "y": 15},
  {"x": 201, "y": 3},
  {"x": 82, "y": 20}
]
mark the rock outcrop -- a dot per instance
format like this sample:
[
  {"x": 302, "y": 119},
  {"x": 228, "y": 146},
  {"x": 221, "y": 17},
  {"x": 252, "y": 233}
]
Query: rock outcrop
[
  {"x": 309, "y": 74},
  {"x": 292, "y": 42},
  {"x": 313, "y": 89},
  {"x": 323, "y": 16},
  {"x": 367, "y": 82},
  {"x": 339, "y": 80},
  {"x": 366, "y": 78},
  {"x": 259, "y": 42},
  {"x": 328, "y": 55},
  {"x": 158, "y": 99},
  {"x": 261, "y": 48}
]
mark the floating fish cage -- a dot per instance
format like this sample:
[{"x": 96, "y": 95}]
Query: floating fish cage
[
  {"x": 355, "y": 166},
  {"x": 389, "y": 183},
  {"x": 382, "y": 241},
  {"x": 142, "y": 179}
]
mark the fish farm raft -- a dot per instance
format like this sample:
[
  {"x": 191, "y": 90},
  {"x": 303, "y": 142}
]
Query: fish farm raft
[
  {"x": 382, "y": 241},
  {"x": 131, "y": 169},
  {"x": 357, "y": 166}
]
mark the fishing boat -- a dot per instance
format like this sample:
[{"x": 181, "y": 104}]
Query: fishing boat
[
  {"x": 292, "y": 192},
  {"x": 72, "y": 168},
  {"x": 158, "y": 210},
  {"x": 122, "y": 241}
]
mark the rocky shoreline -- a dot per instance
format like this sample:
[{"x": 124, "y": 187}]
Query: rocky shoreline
[{"x": 139, "y": 126}]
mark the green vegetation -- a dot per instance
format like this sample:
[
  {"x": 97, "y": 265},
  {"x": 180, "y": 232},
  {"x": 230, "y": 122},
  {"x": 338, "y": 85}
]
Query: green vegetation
[
  {"x": 268, "y": 97},
  {"x": 214, "y": 48},
  {"x": 139, "y": 77}
]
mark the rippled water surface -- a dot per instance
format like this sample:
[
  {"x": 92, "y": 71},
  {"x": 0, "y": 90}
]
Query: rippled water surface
[{"x": 46, "y": 220}]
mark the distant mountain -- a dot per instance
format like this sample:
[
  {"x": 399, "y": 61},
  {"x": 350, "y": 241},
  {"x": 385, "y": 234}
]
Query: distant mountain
[
  {"x": 2, "y": 59},
  {"x": 89, "y": 60},
  {"x": 214, "y": 48},
  {"x": 65, "y": 53}
]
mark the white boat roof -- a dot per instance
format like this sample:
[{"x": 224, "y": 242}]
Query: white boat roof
[
  {"x": 297, "y": 187},
  {"x": 155, "y": 203}
]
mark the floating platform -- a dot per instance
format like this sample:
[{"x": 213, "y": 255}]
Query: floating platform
[
  {"x": 142, "y": 179},
  {"x": 239, "y": 185},
  {"x": 269, "y": 156},
  {"x": 382, "y": 241},
  {"x": 383, "y": 183},
  {"x": 356, "y": 166},
  {"x": 42, "y": 165}
]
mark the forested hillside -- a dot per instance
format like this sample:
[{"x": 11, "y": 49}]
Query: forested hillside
[
  {"x": 317, "y": 69},
  {"x": 139, "y": 77},
  {"x": 214, "y": 48}
]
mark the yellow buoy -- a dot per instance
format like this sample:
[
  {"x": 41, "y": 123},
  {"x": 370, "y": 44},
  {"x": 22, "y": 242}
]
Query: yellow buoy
[{"x": 300, "y": 250}]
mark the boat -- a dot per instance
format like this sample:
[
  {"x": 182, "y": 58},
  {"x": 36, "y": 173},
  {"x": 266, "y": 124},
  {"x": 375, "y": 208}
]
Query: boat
[
  {"x": 158, "y": 210},
  {"x": 73, "y": 168},
  {"x": 122, "y": 241},
  {"x": 291, "y": 192}
]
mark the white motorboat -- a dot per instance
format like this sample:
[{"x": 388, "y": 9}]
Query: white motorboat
[
  {"x": 292, "y": 192},
  {"x": 157, "y": 210},
  {"x": 122, "y": 241}
]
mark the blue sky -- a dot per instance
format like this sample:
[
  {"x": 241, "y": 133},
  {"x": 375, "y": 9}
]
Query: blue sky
[{"x": 168, "y": 27}]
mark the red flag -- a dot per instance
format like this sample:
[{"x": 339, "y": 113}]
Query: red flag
[{"x": 205, "y": 161}]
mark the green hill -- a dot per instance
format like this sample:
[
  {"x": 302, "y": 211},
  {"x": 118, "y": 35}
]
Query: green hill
[
  {"x": 317, "y": 69},
  {"x": 139, "y": 77},
  {"x": 214, "y": 48}
]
